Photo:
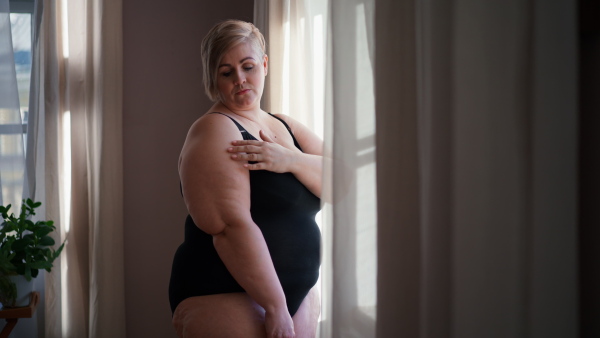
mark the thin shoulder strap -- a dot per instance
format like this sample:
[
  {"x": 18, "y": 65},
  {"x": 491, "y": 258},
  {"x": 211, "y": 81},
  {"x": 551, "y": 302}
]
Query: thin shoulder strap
[
  {"x": 289, "y": 130},
  {"x": 245, "y": 134}
]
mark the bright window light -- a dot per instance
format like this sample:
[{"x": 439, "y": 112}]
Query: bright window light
[
  {"x": 65, "y": 28},
  {"x": 65, "y": 187}
]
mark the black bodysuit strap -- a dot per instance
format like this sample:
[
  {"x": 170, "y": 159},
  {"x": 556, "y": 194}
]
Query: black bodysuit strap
[
  {"x": 290, "y": 130},
  {"x": 245, "y": 134}
]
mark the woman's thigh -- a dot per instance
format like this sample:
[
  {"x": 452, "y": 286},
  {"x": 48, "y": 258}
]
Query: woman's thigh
[
  {"x": 221, "y": 315},
  {"x": 307, "y": 316},
  {"x": 237, "y": 315}
]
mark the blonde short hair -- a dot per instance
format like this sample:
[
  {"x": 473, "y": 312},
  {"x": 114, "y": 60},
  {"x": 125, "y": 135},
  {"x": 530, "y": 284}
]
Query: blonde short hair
[{"x": 219, "y": 40}]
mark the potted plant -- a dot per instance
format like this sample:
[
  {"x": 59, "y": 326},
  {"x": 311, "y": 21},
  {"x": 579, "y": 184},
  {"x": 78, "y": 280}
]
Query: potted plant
[{"x": 25, "y": 248}]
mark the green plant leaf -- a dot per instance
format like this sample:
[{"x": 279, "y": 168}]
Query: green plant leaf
[
  {"x": 40, "y": 265},
  {"x": 25, "y": 246},
  {"x": 9, "y": 227},
  {"x": 39, "y": 255},
  {"x": 27, "y": 273},
  {"x": 21, "y": 244},
  {"x": 6, "y": 209},
  {"x": 41, "y": 232},
  {"x": 46, "y": 252},
  {"x": 47, "y": 241},
  {"x": 29, "y": 225},
  {"x": 58, "y": 251}
]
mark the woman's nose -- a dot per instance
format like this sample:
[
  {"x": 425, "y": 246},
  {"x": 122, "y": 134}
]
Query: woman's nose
[{"x": 240, "y": 77}]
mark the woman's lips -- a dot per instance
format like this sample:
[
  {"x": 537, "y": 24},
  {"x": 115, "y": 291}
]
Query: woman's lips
[{"x": 242, "y": 92}]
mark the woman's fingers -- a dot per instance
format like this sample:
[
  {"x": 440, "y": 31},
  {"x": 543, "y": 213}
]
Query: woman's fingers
[
  {"x": 255, "y": 166},
  {"x": 264, "y": 136},
  {"x": 279, "y": 325},
  {"x": 247, "y": 157},
  {"x": 261, "y": 134},
  {"x": 244, "y": 149},
  {"x": 247, "y": 143},
  {"x": 266, "y": 155}
]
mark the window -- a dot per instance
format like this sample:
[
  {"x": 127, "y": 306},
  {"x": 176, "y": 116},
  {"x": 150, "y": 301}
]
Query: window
[
  {"x": 21, "y": 13},
  {"x": 15, "y": 98}
]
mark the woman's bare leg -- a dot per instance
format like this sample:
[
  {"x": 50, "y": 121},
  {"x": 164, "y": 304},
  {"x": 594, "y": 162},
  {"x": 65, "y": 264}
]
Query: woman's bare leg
[
  {"x": 237, "y": 315},
  {"x": 307, "y": 316},
  {"x": 221, "y": 315}
]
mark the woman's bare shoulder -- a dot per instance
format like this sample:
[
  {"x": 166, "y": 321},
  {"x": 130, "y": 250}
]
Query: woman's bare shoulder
[
  {"x": 286, "y": 118},
  {"x": 206, "y": 132},
  {"x": 211, "y": 121},
  {"x": 215, "y": 188}
]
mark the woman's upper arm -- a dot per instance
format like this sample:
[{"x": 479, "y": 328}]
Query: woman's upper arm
[
  {"x": 308, "y": 140},
  {"x": 216, "y": 190}
]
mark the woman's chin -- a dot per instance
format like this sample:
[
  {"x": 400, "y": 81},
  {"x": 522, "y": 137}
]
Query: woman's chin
[{"x": 242, "y": 104}]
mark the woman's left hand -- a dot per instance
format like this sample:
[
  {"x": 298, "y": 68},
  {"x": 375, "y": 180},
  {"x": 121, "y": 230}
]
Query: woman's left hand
[{"x": 267, "y": 154}]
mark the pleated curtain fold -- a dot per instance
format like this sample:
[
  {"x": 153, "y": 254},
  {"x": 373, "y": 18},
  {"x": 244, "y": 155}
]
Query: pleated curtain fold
[
  {"x": 477, "y": 168},
  {"x": 82, "y": 44},
  {"x": 466, "y": 113}
]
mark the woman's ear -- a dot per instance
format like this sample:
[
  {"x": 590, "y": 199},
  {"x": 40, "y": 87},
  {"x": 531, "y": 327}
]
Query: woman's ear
[{"x": 266, "y": 64}]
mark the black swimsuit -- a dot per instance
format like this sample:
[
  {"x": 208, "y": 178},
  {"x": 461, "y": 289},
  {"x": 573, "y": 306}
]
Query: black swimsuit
[{"x": 284, "y": 210}]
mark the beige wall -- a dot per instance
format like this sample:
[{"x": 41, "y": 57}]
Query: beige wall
[{"x": 163, "y": 95}]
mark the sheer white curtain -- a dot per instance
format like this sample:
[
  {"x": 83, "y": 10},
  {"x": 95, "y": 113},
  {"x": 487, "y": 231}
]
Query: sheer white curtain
[
  {"x": 476, "y": 157},
  {"x": 81, "y": 67},
  {"x": 476, "y": 169},
  {"x": 350, "y": 275},
  {"x": 321, "y": 73},
  {"x": 296, "y": 45}
]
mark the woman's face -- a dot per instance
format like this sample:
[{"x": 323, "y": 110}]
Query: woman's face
[{"x": 241, "y": 77}]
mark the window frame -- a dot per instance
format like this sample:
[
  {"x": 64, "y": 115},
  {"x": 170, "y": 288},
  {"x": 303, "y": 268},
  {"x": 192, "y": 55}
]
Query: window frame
[
  {"x": 18, "y": 7},
  {"x": 22, "y": 6}
]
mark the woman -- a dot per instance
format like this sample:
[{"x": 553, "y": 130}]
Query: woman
[{"x": 250, "y": 259}]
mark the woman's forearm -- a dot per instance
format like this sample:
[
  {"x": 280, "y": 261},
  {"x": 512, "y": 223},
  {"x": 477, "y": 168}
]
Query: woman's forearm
[
  {"x": 308, "y": 169},
  {"x": 243, "y": 250}
]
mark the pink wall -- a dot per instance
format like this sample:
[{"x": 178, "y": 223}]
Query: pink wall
[{"x": 163, "y": 95}]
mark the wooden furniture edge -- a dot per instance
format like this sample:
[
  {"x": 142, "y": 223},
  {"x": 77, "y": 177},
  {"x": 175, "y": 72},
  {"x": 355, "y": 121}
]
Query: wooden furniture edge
[{"x": 22, "y": 312}]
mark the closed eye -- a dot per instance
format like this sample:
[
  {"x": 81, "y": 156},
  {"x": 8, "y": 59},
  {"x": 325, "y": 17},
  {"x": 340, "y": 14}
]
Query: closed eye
[{"x": 228, "y": 73}]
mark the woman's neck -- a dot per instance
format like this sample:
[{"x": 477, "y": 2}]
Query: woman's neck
[{"x": 255, "y": 114}]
